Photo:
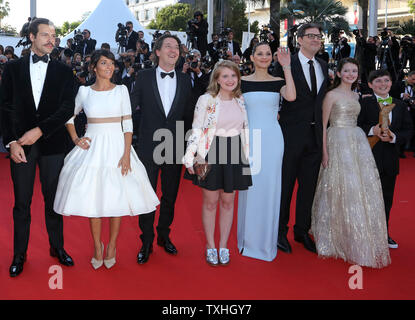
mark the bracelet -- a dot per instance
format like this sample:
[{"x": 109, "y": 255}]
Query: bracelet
[{"x": 286, "y": 67}]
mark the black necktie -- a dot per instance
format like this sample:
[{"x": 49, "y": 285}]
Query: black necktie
[
  {"x": 170, "y": 74},
  {"x": 313, "y": 78},
  {"x": 43, "y": 58}
]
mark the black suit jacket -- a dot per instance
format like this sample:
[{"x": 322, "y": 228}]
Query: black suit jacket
[
  {"x": 56, "y": 105},
  {"x": 236, "y": 48},
  {"x": 386, "y": 154},
  {"x": 132, "y": 41},
  {"x": 398, "y": 88},
  {"x": 305, "y": 109},
  {"x": 201, "y": 34},
  {"x": 90, "y": 46},
  {"x": 147, "y": 98}
]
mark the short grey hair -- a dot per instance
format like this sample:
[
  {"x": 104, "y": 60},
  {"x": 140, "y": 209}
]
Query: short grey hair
[{"x": 195, "y": 51}]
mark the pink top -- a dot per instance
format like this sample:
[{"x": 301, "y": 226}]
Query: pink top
[{"x": 230, "y": 120}]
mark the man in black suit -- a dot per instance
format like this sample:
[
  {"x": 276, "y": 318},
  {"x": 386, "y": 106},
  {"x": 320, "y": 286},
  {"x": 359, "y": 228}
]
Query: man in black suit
[
  {"x": 163, "y": 96},
  {"x": 405, "y": 90},
  {"x": 213, "y": 48},
  {"x": 141, "y": 37},
  {"x": 301, "y": 124},
  {"x": 201, "y": 31},
  {"x": 198, "y": 75},
  {"x": 132, "y": 36},
  {"x": 232, "y": 45},
  {"x": 86, "y": 46},
  {"x": 386, "y": 150},
  {"x": 38, "y": 99}
]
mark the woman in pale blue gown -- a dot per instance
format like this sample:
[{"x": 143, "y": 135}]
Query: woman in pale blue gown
[{"x": 259, "y": 207}]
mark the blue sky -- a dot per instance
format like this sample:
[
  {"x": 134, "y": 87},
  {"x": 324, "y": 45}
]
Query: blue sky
[{"x": 57, "y": 11}]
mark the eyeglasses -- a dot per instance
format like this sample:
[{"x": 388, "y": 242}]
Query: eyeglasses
[{"x": 313, "y": 36}]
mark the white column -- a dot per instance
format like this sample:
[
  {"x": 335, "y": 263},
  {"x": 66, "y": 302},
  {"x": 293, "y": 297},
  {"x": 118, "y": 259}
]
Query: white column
[
  {"x": 210, "y": 18},
  {"x": 32, "y": 8},
  {"x": 373, "y": 17},
  {"x": 249, "y": 17},
  {"x": 386, "y": 13}
]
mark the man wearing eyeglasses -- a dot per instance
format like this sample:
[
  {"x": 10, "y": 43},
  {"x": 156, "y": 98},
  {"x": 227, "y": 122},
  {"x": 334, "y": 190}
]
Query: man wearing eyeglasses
[{"x": 301, "y": 124}]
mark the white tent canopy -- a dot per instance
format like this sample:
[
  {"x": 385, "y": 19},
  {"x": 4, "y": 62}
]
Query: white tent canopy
[{"x": 103, "y": 21}]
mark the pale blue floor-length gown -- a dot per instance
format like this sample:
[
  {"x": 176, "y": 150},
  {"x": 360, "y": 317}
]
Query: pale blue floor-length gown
[{"x": 259, "y": 207}]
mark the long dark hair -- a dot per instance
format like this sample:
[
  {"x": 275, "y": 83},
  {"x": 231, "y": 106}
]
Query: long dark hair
[{"x": 340, "y": 66}]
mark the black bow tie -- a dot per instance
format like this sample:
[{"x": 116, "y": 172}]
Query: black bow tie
[
  {"x": 170, "y": 74},
  {"x": 43, "y": 58}
]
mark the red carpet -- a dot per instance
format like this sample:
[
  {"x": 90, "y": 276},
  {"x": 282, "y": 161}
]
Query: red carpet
[{"x": 301, "y": 275}]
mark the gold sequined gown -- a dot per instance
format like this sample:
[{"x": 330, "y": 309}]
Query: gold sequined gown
[{"x": 348, "y": 213}]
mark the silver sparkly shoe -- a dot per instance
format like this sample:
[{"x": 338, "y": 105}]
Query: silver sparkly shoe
[
  {"x": 212, "y": 257},
  {"x": 224, "y": 256},
  {"x": 96, "y": 264},
  {"x": 109, "y": 263}
]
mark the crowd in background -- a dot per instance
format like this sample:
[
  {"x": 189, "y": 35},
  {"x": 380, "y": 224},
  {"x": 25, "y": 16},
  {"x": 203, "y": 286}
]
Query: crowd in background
[{"x": 198, "y": 57}]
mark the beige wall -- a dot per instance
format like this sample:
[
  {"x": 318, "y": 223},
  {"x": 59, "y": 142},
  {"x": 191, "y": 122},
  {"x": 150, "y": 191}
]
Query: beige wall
[{"x": 398, "y": 12}]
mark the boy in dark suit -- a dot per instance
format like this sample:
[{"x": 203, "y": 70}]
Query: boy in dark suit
[{"x": 386, "y": 149}]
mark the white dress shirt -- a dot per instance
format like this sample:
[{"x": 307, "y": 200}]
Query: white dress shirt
[
  {"x": 306, "y": 70},
  {"x": 37, "y": 78},
  {"x": 167, "y": 88},
  {"x": 390, "y": 121},
  {"x": 230, "y": 46}
]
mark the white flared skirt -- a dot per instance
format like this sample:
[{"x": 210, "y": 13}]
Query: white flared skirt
[{"x": 91, "y": 184}]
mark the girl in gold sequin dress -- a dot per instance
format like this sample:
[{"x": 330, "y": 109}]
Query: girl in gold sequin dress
[{"x": 348, "y": 213}]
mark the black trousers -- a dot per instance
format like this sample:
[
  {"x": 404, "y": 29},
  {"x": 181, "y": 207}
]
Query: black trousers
[
  {"x": 388, "y": 189},
  {"x": 301, "y": 161},
  {"x": 170, "y": 181},
  {"x": 23, "y": 176}
]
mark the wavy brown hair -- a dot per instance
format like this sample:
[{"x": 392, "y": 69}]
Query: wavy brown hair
[{"x": 214, "y": 87}]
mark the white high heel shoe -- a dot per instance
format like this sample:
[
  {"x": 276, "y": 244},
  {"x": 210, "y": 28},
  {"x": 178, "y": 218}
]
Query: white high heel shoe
[
  {"x": 96, "y": 264},
  {"x": 109, "y": 263}
]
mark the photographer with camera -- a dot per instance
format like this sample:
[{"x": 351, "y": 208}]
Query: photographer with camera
[
  {"x": 365, "y": 53},
  {"x": 127, "y": 72},
  {"x": 341, "y": 48},
  {"x": 141, "y": 53},
  {"x": 87, "y": 45},
  {"x": 273, "y": 41},
  {"x": 198, "y": 75},
  {"x": 141, "y": 37},
  {"x": 213, "y": 47},
  {"x": 131, "y": 37},
  {"x": 406, "y": 54},
  {"x": 198, "y": 31},
  {"x": 77, "y": 63},
  {"x": 388, "y": 53}
]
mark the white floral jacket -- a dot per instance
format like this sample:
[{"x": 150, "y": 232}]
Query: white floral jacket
[{"x": 204, "y": 127}]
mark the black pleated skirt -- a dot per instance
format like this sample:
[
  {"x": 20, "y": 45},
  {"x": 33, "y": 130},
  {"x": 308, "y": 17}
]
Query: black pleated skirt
[{"x": 229, "y": 167}]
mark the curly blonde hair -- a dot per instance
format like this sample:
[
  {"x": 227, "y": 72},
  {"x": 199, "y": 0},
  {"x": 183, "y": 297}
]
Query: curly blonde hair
[{"x": 214, "y": 87}]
